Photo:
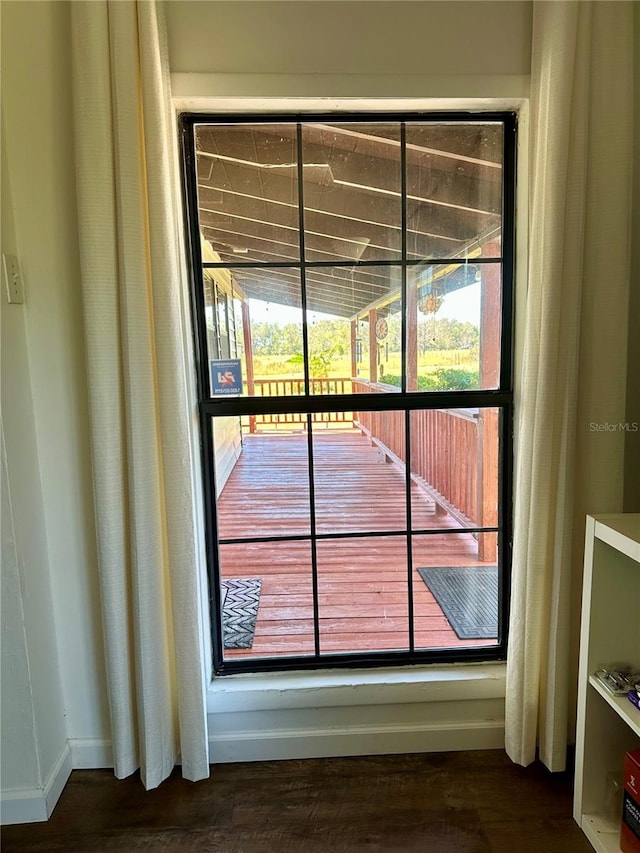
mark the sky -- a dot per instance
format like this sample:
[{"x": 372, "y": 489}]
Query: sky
[{"x": 462, "y": 305}]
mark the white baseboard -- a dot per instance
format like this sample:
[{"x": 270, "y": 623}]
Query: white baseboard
[
  {"x": 31, "y": 805},
  {"x": 279, "y": 744},
  {"x": 91, "y": 753},
  {"x": 271, "y": 745},
  {"x": 57, "y": 779},
  {"x": 24, "y": 805}
]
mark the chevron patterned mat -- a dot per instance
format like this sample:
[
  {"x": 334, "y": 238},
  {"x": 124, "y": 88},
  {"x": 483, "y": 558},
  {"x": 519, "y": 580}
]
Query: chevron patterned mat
[{"x": 240, "y": 600}]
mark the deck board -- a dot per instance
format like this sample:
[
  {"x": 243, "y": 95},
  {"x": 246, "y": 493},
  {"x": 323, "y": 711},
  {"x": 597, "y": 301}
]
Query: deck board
[{"x": 362, "y": 582}]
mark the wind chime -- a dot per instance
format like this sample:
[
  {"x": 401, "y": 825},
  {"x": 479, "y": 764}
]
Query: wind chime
[
  {"x": 430, "y": 303},
  {"x": 382, "y": 333}
]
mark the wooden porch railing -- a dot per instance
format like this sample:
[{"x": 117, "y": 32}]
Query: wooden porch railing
[
  {"x": 453, "y": 452},
  {"x": 453, "y": 456},
  {"x": 277, "y": 387}
]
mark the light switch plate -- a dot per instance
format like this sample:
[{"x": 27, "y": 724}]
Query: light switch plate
[{"x": 13, "y": 279}]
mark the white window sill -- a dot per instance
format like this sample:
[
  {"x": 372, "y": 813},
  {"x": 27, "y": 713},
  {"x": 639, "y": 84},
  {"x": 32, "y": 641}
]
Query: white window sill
[{"x": 339, "y": 688}]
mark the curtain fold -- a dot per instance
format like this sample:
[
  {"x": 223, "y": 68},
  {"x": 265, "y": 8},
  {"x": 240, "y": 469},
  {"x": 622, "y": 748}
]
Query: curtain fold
[
  {"x": 574, "y": 363},
  {"x": 140, "y": 420}
]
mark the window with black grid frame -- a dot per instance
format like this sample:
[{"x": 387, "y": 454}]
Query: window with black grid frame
[{"x": 357, "y": 440}]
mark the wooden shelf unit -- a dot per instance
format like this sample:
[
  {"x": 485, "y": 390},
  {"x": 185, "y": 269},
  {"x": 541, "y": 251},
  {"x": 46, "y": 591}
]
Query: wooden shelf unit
[{"x": 607, "y": 726}]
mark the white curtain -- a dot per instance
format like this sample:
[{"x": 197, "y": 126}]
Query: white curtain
[
  {"x": 574, "y": 368},
  {"x": 141, "y": 443}
]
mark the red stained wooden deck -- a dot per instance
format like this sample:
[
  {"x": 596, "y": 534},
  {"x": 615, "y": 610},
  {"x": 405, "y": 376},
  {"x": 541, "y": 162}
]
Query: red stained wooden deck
[{"x": 362, "y": 582}]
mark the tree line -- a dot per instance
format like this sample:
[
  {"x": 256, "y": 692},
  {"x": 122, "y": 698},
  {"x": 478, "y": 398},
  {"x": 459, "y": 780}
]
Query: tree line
[{"x": 335, "y": 336}]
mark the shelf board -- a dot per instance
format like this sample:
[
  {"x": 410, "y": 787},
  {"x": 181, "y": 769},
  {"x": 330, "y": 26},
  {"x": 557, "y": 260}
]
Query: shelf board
[
  {"x": 603, "y": 838},
  {"x": 620, "y": 704},
  {"x": 622, "y": 532}
]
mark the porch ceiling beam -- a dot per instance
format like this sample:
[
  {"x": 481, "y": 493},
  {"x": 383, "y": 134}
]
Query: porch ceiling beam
[
  {"x": 336, "y": 293},
  {"x": 431, "y": 235},
  {"x": 358, "y": 289},
  {"x": 224, "y": 237},
  {"x": 367, "y": 208},
  {"x": 376, "y": 139},
  {"x": 448, "y": 189},
  {"x": 318, "y": 302},
  {"x": 338, "y": 273},
  {"x": 329, "y": 295},
  {"x": 353, "y": 246},
  {"x": 261, "y": 225},
  {"x": 275, "y": 251},
  {"x": 321, "y": 295},
  {"x": 283, "y": 208},
  {"x": 262, "y": 252},
  {"x": 394, "y": 145},
  {"x": 228, "y": 239},
  {"x": 335, "y": 246}
]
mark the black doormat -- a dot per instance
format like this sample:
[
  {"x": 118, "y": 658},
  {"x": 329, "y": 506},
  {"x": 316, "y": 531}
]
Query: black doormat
[
  {"x": 240, "y": 600},
  {"x": 468, "y": 596}
]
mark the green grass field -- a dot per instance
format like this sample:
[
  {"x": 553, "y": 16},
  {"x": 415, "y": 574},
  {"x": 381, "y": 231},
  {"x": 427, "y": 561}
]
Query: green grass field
[{"x": 281, "y": 367}]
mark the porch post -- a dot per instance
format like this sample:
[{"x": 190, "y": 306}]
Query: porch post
[
  {"x": 373, "y": 346},
  {"x": 354, "y": 364},
  {"x": 412, "y": 337},
  {"x": 490, "y": 335},
  {"x": 248, "y": 354}
]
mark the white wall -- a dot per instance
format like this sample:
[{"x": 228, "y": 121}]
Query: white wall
[
  {"x": 228, "y": 447},
  {"x": 342, "y": 49},
  {"x": 43, "y": 382},
  {"x": 632, "y": 439},
  {"x": 19, "y": 769},
  {"x": 375, "y": 38},
  {"x": 34, "y": 738}
]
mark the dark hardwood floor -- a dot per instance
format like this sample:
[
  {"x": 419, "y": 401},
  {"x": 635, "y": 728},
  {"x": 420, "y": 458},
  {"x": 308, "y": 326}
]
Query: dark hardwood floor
[{"x": 465, "y": 802}]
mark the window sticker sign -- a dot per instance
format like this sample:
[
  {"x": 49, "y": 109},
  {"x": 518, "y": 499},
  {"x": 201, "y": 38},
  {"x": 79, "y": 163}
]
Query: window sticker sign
[{"x": 226, "y": 376}]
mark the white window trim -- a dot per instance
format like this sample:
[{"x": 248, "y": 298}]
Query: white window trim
[
  {"x": 346, "y": 687},
  {"x": 376, "y": 686}
]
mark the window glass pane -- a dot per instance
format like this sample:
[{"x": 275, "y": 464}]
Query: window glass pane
[
  {"x": 352, "y": 185},
  {"x": 454, "y": 190},
  {"x": 248, "y": 191},
  {"x": 387, "y": 327},
  {"x": 267, "y": 332},
  {"x": 399, "y": 289},
  {"x": 363, "y": 602},
  {"x": 222, "y": 322},
  {"x": 455, "y": 592},
  {"x": 275, "y": 576},
  {"x": 453, "y": 327},
  {"x": 359, "y": 481},
  {"x": 218, "y": 300},
  {"x": 454, "y": 467},
  {"x": 262, "y": 477},
  {"x": 344, "y": 344}
]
